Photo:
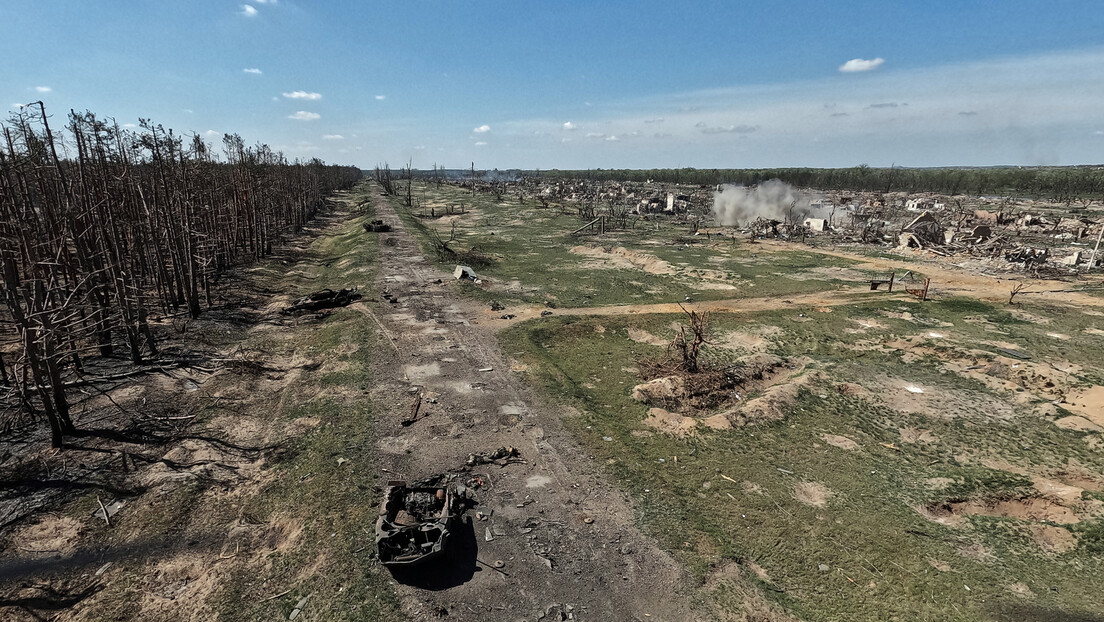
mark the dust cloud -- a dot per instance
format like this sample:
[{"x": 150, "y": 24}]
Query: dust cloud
[{"x": 772, "y": 200}]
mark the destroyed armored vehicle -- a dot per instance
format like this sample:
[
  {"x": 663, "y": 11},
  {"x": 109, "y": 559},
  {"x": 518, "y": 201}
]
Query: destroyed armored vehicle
[
  {"x": 377, "y": 226},
  {"x": 323, "y": 299},
  {"x": 415, "y": 522}
]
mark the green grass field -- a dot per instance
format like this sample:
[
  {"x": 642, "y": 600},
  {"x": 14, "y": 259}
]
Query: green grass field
[{"x": 981, "y": 433}]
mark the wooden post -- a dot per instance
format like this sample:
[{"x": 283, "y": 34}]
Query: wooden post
[
  {"x": 891, "y": 275},
  {"x": 1092, "y": 258}
]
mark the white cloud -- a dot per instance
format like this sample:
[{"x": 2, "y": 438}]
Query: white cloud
[
  {"x": 248, "y": 10},
  {"x": 861, "y": 64},
  {"x": 595, "y": 135},
  {"x": 43, "y": 89},
  {"x": 611, "y": 139},
  {"x": 265, "y": 1},
  {"x": 130, "y": 126},
  {"x": 569, "y": 126},
  {"x": 253, "y": 70},
  {"x": 16, "y": 106},
  {"x": 1098, "y": 133},
  {"x": 730, "y": 129},
  {"x": 332, "y": 137},
  {"x": 303, "y": 95},
  {"x": 212, "y": 133},
  {"x": 482, "y": 129},
  {"x": 303, "y": 115},
  {"x": 480, "y": 144},
  {"x": 380, "y": 98}
]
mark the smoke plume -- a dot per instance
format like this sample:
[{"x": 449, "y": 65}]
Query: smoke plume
[{"x": 772, "y": 200}]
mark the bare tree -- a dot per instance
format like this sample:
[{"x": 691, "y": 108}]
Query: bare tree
[{"x": 688, "y": 347}]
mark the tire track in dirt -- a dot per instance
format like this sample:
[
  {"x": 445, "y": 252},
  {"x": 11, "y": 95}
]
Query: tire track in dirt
[
  {"x": 565, "y": 535},
  {"x": 735, "y": 305}
]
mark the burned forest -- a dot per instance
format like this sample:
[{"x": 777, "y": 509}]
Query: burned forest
[{"x": 124, "y": 229}]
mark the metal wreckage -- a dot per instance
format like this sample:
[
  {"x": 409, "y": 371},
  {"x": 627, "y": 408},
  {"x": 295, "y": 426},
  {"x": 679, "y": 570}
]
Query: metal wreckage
[{"x": 415, "y": 522}]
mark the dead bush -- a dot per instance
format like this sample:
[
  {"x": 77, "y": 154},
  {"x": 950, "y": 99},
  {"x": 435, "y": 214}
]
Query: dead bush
[{"x": 473, "y": 257}]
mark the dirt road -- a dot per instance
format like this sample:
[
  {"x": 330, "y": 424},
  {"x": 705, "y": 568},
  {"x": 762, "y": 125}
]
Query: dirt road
[
  {"x": 735, "y": 305},
  {"x": 565, "y": 536}
]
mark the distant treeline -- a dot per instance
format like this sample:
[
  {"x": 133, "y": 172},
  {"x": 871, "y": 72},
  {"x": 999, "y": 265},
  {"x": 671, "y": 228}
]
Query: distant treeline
[
  {"x": 102, "y": 227},
  {"x": 1062, "y": 184},
  {"x": 1056, "y": 183}
]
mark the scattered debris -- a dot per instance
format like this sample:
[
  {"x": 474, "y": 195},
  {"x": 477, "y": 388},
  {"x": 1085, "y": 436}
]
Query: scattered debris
[
  {"x": 501, "y": 456},
  {"x": 103, "y": 512},
  {"x": 298, "y": 608},
  {"x": 465, "y": 273},
  {"x": 884, "y": 279},
  {"x": 415, "y": 408},
  {"x": 323, "y": 299},
  {"x": 1016, "y": 354},
  {"x": 108, "y": 511},
  {"x": 1027, "y": 255}
]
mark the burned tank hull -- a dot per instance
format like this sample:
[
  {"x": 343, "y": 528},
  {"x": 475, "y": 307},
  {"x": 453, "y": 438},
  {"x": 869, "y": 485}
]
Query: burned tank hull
[{"x": 414, "y": 523}]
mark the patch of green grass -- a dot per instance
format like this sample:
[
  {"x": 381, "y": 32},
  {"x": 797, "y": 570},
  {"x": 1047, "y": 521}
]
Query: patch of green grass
[
  {"x": 973, "y": 481},
  {"x": 534, "y": 264},
  {"x": 1090, "y": 537},
  {"x": 334, "y": 502},
  {"x": 881, "y": 553}
]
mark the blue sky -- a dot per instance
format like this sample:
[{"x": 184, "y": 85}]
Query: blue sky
[{"x": 581, "y": 85}]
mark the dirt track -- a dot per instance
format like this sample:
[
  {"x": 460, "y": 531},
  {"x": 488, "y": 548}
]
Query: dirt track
[
  {"x": 566, "y": 536},
  {"x": 736, "y": 305}
]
